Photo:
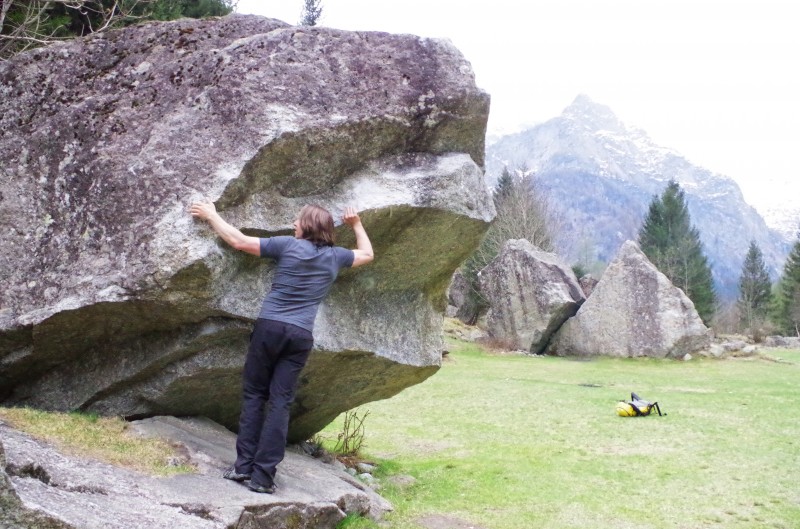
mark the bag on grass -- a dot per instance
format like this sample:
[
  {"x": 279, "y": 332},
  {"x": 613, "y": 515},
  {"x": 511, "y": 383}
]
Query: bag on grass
[{"x": 637, "y": 407}]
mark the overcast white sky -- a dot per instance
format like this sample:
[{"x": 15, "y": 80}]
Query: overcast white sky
[{"x": 716, "y": 80}]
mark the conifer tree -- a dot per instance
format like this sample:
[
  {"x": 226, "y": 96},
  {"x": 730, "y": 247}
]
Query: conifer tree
[
  {"x": 787, "y": 312},
  {"x": 505, "y": 186},
  {"x": 312, "y": 10},
  {"x": 673, "y": 245},
  {"x": 755, "y": 289}
]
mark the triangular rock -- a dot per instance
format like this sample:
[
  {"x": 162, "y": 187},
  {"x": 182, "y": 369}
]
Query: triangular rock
[{"x": 633, "y": 311}]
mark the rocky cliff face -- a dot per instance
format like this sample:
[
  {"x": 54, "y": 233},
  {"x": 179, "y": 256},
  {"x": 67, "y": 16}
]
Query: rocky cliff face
[
  {"x": 115, "y": 301},
  {"x": 602, "y": 175}
]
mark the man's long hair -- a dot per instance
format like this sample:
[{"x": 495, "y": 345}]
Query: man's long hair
[{"x": 316, "y": 225}]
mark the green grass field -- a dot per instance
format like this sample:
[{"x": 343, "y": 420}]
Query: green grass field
[{"x": 513, "y": 442}]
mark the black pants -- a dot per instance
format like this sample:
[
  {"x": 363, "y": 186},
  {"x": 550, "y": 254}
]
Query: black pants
[{"x": 277, "y": 353}]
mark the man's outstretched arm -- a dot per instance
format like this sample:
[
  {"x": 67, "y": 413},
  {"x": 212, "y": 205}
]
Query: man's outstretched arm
[
  {"x": 363, "y": 252},
  {"x": 238, "y": 240}
]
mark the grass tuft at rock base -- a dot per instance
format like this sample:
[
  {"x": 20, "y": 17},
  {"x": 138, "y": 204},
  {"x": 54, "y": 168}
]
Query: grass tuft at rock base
[{"x": 106, "y": 439}]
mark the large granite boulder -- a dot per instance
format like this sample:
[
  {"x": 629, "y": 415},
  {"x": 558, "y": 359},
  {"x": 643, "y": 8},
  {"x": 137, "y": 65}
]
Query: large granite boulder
[
  {"x": 52, "y": 489},
  {"x": 114, "y": 300},
  {"x": 462, "y": 302},
  {"x": 634, "y": 311},
  {"x": 531, "y": 293},
  {"x": 457, "y": 294}
]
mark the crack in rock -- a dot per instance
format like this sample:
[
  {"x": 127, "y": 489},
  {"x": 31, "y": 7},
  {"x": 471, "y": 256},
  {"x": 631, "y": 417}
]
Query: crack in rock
[{"x": 30, "y": 470}]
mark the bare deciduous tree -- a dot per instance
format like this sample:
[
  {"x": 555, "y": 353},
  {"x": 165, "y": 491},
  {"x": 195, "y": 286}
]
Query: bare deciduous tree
[
  {"x": 794, "y": 312},
  {"x": 727, "y": 318},
  {"x": 4, "y": 5},
  {"x": 524, "y": 211},
  {"x": 33, "y": 23}
]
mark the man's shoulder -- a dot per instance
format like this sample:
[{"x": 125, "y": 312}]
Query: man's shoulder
[
  {"x": 274, "y": 246},
  {"x": 344, "y": 256}
]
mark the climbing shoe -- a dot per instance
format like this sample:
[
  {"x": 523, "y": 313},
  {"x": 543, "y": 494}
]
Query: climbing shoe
[
  {"x": 263, "y": 489},
  {"x": 232, "y": 475}
]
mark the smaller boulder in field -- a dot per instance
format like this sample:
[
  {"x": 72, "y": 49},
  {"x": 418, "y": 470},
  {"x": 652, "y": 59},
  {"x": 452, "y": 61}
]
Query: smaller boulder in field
[{"x": 531, "y": 293}]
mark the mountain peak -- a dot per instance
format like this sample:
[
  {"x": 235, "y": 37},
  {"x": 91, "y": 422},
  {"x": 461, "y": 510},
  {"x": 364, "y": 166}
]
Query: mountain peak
[
  {"x": 586, "y": 111},
  {"x": 583, "y": 100}
]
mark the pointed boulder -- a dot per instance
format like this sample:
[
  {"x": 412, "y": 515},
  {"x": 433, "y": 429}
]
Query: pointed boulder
[{"x": 634, "y": 311}]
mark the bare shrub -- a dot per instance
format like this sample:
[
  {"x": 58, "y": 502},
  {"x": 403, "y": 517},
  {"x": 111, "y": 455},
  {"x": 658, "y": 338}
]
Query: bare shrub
[
  {"x": 524, "y": 211},
  {"x": 727, "y": 319},
  {"x": 351, "y": 438}
]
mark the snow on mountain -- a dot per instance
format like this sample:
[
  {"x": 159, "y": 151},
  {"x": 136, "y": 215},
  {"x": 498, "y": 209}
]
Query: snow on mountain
[
  {"x": 783, "y": 218},
  {"x": 602, "y": 175}
]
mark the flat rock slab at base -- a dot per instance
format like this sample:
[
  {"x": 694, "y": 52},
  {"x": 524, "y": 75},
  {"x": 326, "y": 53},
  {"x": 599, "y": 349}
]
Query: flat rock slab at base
[{"x": 73, "y": 492}]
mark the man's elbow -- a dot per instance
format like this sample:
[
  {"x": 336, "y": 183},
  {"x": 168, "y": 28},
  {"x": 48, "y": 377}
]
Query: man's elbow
[{"x": 363, "y": 258}]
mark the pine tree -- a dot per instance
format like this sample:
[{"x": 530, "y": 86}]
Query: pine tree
[
  {"x": 505, "y": 186},
  {"x": 787, "y": 312},
  {"x": 673, "y": 245},
  {"x": 312, "y": 10},
  {"x": 755, "y": 289}
]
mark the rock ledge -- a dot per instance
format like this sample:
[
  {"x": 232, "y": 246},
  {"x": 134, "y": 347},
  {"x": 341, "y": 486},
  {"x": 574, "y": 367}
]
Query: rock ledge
[{"x": 47, "y": 488}]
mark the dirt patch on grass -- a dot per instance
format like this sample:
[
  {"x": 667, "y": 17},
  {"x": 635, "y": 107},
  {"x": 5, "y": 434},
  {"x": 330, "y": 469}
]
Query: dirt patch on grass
[{"x": 441, "y": 521}]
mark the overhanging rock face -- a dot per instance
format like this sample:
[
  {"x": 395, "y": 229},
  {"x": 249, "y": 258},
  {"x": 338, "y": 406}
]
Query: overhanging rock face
[{"x": 114, "y": 300}]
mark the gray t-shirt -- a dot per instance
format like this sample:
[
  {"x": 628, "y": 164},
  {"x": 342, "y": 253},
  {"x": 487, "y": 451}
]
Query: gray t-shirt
[{"x": 303, "y": 277}]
